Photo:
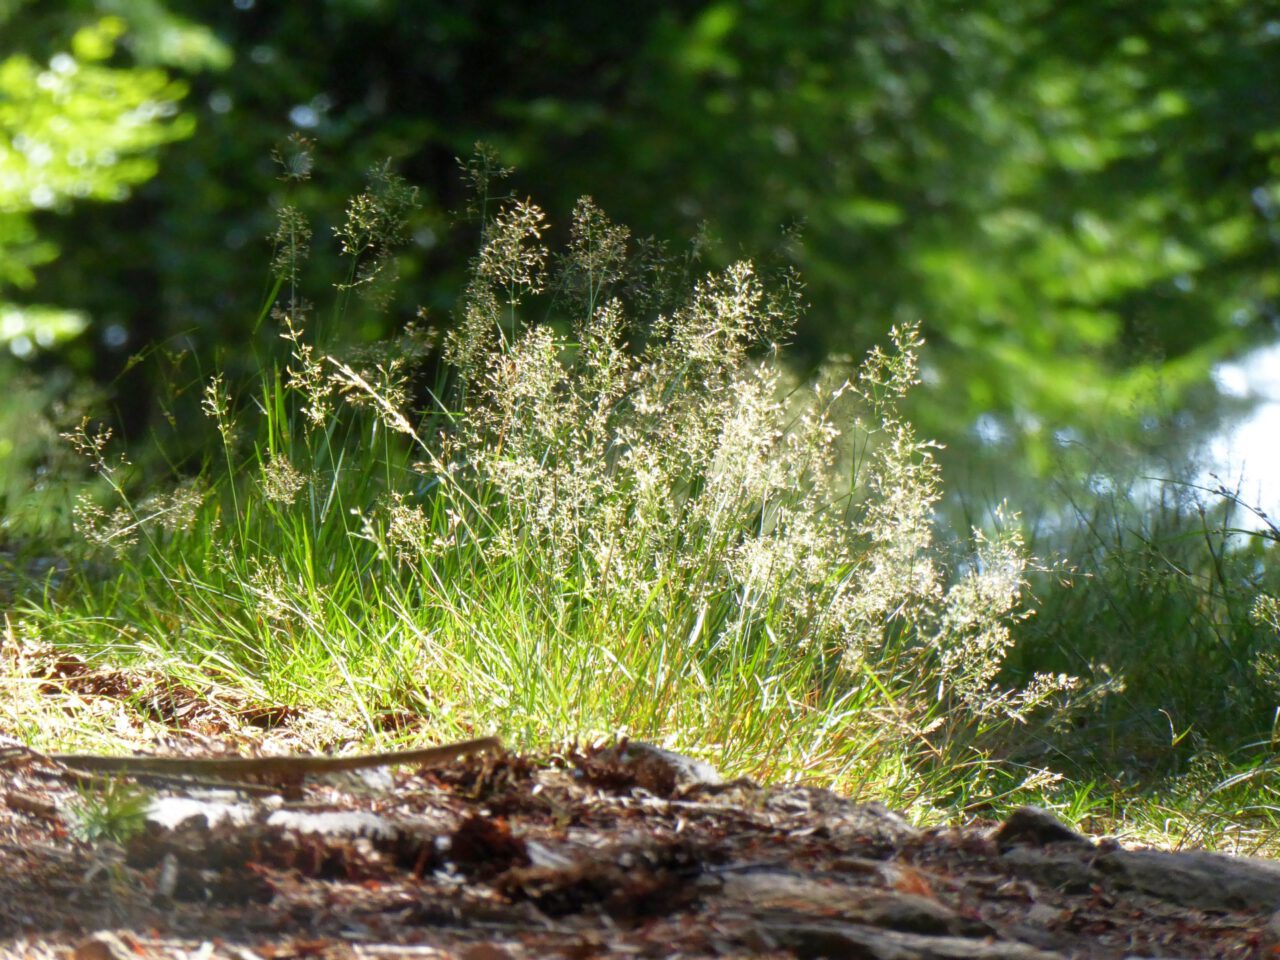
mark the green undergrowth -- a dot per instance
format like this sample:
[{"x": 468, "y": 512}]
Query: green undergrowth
[
  {"x": 598, "y": 505},
  {"x": 1168, "y": 599},
  {"x": 1167, "y": 603}
]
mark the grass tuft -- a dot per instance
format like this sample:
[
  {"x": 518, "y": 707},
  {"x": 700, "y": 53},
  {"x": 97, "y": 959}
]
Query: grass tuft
[{"x": 613, "y": 512}]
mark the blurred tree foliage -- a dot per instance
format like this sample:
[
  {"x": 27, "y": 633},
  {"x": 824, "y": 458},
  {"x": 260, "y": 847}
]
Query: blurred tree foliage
[
  {"x": 80, "y": 120},
  {"x": 72, "y": 126},
  {"x": 1078, "y": 199}
]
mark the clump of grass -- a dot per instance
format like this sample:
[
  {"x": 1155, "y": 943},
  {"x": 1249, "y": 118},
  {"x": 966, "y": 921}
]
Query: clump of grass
[
  {"x": 616, "y": 513},
  {"x": 1169, "y": 597},
  {"x": 112, "y": 811}
]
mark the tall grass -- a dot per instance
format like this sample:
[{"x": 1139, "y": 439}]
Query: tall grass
[
  {"x": 611, "y": 511},
  {"x": 1167, "y": 601}
]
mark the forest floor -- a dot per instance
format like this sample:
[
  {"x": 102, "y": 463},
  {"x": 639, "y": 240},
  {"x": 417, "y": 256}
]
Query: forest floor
[{"x": 600, "y": 851}]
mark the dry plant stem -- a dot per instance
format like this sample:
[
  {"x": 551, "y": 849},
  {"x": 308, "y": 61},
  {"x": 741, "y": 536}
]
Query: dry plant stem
[{"x": 235, "y": 768}]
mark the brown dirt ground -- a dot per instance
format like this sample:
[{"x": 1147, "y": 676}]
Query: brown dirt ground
[
  {"x": 594, "y": 852},
  {"x": 585, "y": 854}
]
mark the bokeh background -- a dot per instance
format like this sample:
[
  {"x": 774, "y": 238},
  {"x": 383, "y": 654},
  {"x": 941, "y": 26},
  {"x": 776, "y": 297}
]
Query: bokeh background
[{"x": 1077, "y": 200}]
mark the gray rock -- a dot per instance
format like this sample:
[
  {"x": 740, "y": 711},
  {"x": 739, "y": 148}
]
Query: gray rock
[
  {"x": 1194, "y": 878},
  {"x": 1037, "y": 827},
  {"x": 814, "y": 938},
  {"x": 1068, "y": 872}
]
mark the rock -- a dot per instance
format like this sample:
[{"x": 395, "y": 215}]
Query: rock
[
  {"x": 772, "y": 897},
  {"x": 813, "y": 938},
  {"x": 1066, "y": 872},
  {"x": 1189, "y": 878},
  {"x": 777, "y": 890},
  {"x": 1194, "y": 878},
  {"x": 1037, "y": 827}
]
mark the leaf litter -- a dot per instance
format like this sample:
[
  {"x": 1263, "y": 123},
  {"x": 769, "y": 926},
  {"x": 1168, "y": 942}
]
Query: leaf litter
[{"x": 621, "y": 850}]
